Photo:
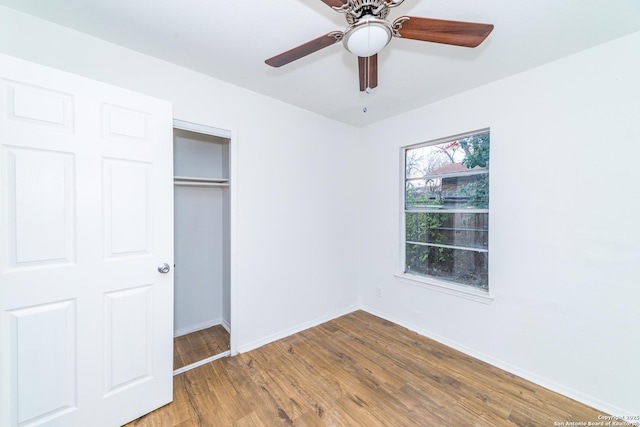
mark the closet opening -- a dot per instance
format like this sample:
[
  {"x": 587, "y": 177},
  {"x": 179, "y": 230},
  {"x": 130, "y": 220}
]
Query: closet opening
[{"x": 202, "y": 242}]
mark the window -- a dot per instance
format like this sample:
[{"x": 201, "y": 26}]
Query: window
[{"x": 446, "y": 211}]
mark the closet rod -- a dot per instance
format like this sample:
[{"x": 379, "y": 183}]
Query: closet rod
[{"x": 201, "y": 184}]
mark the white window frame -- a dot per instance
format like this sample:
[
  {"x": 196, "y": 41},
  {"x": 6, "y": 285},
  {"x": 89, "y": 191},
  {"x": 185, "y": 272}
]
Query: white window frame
[{"x": 427, "y": 282}]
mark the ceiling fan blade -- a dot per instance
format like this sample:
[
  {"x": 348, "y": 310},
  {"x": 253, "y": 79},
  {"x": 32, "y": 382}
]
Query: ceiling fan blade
[
  {"x": 467, "y": 34},
  {"x": 335, "y": 3},
  {"x": 368, "y": 72},
  {"x": 305, "y": 49}
]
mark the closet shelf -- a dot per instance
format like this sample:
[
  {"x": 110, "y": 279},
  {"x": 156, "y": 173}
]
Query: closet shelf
[
  {"x": 197, "y": 179},
  {"x": 200, "y": 182}
]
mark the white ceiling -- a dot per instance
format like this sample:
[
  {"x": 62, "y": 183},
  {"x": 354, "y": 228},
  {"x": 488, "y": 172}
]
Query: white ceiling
[{"x": 230, "y": 40}]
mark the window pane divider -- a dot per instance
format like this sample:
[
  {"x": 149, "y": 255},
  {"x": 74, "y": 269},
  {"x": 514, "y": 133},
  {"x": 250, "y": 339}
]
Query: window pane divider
[
  {"x": 437, "y": 245},
  {"x": 448, "y": 175},
  {"x": 436, "y": 210},
  {"x": 475, "y": 230}
]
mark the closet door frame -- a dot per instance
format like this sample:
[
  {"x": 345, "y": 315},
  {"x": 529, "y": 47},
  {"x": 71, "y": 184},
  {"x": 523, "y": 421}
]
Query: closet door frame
[{"x": 230, "y": 135}]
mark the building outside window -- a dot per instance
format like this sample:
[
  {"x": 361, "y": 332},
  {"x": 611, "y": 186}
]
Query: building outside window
[{"x": 446, "y": 210}]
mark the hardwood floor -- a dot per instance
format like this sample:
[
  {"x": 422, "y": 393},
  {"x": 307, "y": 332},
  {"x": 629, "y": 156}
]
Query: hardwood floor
[
  {"x": 199, "y": 345},
  {"x": 359, "y": 370}
]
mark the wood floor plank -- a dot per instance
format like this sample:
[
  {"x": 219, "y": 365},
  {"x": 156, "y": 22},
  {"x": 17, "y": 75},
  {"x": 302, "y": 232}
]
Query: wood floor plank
[
  {"x": 359, "y": 370},
  {"x": 292, "y": 369},
  {"x": 466, "y": 375},
  {"x": 381, "y": 383},
  {"x": 199, "y": 345},
  {"x": 251, "y": 420}
]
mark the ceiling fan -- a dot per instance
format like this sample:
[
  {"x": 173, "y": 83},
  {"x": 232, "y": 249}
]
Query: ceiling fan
[{"x": 369, "y": 32}]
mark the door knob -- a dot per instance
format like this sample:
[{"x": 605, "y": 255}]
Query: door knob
[{"x": 164, "y": 268}]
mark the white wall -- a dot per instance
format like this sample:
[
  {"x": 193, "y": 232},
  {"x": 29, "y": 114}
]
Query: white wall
[
  {"x": 295, "y": 236},
  {"x": 564, "y": 227}
]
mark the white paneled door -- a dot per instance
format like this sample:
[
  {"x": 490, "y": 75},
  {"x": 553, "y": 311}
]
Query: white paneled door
[{"x": 86, "y": 218}]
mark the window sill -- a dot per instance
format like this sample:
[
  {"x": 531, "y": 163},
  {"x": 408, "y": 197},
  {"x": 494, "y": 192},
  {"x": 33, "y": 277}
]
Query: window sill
[{"x": 461, "y": 291}]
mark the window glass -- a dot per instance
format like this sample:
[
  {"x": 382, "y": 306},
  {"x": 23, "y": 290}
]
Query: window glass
[
  {"x": 447, "y": 210},
  {"x": 455, "y": 265},
  {"x": 470, "y": 230}
]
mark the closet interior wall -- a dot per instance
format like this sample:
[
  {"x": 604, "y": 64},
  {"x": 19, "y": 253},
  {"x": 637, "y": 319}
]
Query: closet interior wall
[{"x": 202, "y": 238}]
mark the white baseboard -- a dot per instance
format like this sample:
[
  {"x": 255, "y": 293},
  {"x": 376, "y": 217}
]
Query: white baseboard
[
  {"x": 595, "y": 403},
  {"x": 298, "y": 328},
  {"x": 196, "y": 327},
  {"x": 226, "y": 325}
]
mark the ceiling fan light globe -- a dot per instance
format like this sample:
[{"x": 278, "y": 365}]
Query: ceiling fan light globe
[{"x": 367, "y": 37}]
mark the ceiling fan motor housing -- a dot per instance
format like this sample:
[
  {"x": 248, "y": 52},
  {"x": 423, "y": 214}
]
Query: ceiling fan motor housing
[{"x": 356, "y": 9}]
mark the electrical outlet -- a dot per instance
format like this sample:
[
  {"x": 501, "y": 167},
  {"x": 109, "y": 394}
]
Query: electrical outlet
[{"x": 379, "y": 291}]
